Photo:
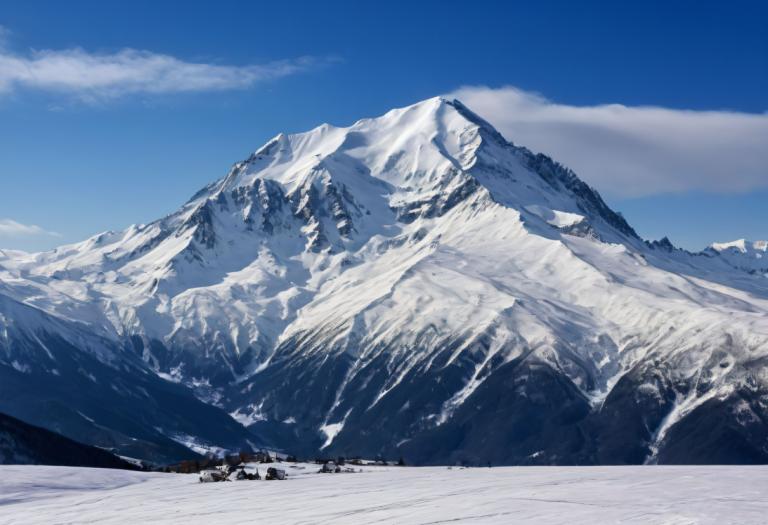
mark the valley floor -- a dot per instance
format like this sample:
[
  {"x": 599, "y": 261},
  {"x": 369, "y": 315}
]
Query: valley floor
[{"x": 402, "y": 495}]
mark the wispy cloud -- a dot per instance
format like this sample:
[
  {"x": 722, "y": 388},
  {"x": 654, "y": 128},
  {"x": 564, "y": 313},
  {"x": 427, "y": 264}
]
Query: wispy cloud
[
  {"x": 96, "y": 76},
  {"x": 634, "y": 151},
  {"x": 11, "y": 228}
]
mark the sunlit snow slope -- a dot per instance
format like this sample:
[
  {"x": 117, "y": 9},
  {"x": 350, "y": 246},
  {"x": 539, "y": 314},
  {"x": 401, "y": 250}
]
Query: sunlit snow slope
[{"x": 416, "y": 285}]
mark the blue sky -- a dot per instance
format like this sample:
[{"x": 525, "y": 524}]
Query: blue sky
[{"x": 112, "y": 114}]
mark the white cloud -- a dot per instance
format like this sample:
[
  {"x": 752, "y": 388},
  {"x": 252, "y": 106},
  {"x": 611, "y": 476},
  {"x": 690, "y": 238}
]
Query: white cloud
[
  {"x": 633, "y": 151},
  {"x": 11, "y": 228},
  {"x": 95, "y": 76}
]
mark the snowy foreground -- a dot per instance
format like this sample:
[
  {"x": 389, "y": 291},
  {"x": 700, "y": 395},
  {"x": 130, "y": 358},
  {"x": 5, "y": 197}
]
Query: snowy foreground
[{"x": 32, "y": 494}]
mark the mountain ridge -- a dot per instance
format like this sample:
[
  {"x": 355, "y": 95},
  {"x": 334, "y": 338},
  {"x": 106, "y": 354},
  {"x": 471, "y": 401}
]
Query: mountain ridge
[{"x": 21, "y": 443}]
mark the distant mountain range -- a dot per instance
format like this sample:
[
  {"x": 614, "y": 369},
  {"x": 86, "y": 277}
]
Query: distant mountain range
[{"x": 412, "y": 285}]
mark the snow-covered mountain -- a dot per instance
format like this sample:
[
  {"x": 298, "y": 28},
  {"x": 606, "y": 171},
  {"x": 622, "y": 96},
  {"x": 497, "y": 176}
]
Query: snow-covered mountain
[
  {"x": 751, "y": 256},
  {"x": 59, "y": 375},
  {"x": 415, "y": 284}
]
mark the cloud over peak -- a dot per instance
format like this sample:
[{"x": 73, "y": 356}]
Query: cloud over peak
[{"x": 633, "y": 151}]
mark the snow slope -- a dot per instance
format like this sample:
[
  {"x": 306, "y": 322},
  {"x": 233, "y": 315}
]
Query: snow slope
[
  {"x": 416, "y": 284},
  {"x": 407, "y": 495}
]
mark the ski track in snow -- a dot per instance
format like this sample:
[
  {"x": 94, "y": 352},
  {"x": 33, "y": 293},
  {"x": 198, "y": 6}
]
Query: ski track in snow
[{"x": 403, "y": 495}]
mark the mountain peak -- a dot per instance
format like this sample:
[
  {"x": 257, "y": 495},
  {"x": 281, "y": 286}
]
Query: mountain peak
[
  {"x": 416, "y": 161},
  {"x": 405, "y": 147},
  {"x": 740, "y": 245}
]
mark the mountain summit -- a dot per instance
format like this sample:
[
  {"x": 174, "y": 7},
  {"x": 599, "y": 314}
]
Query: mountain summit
[{"x": 415, "y": 284}]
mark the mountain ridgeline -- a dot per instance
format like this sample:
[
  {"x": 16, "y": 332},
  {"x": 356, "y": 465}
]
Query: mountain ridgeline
[
  {"x": 412, "y": 285},
  {"x": 23, "y": 444}
]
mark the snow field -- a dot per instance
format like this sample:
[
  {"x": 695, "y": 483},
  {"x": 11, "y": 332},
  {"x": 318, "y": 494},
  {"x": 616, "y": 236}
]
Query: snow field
[{"x": 403, "y": 495}]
